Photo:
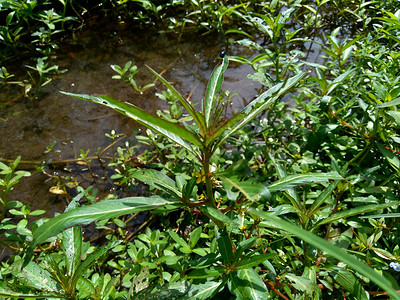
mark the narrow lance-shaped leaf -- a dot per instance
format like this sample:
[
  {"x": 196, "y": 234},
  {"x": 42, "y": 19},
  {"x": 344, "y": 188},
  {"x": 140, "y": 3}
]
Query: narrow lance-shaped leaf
[
  {"x": 98, "y": 211},
  {"x": 300, "y": 179},
  {"x": 196, "y": 116},
  {"x": 254, "y": 108},
  {"x": 173, "y": 131},
  {"x": 294, "y": 198},
  {"x": 356, "y": 211},
  {"x": 214, "y": 87},
  {"x": 72, "y": 241},
  {"x": 157, "y": 180},
  {"x": 253, "y": 191},
  {"x": 16, "y": 291},
  {"x": 329, "y": 248},
  {"x": 321, "y": 198}
]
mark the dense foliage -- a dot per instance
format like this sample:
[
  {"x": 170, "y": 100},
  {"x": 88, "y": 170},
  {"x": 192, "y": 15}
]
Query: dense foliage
[{"x": 294, "y": 199}]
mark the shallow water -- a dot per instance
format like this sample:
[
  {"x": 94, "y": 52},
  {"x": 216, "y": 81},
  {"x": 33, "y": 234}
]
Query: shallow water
[{"x": 28, "y": 126}]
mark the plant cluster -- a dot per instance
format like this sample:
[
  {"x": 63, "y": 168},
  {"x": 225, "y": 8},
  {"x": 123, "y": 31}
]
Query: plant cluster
[{"x": 294, "y": 199}]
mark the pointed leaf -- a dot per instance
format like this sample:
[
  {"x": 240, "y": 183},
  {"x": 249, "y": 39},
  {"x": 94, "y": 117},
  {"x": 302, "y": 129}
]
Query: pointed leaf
[
  {"x": 225, "y": 247},
  {"x": 253, "y": 191},
  {"x": 17, "y": 291},
  {"x": 195, "y": 115},
  {"x": 253, "y": 260},
  {"x": 173, "y": 131},
  {"x": 157, "y": 180},
  {"x": 72, "y": 241},
  {"x": 321, "y": 198},
  {"x": 202, "y": 291},
  {"x": 98, "y": 211},
  {"x": 349, "y": 282},
  {"x": 292, "y": 181},
  {"x": 393, "y": 160},
  {"x": 35, "y": 276},
  {"x": 330, "y": 249},
  {"x": 213, "y": 88},
  {"x": 255, "y": 107},
  {"x": 247, "y": 284},
  {"x": 91, "y": 259},
  {"x": 356, "y": 211}
]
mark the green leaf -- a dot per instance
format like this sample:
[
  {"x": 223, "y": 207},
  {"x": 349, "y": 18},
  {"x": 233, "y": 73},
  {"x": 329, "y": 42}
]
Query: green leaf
[
  {"x": 178, "y": 239},
  {"x": 196, "y": 116},
  {"x": 35, "y": 276},
  {"x": 394, "y": 102},
  {"x": 393, "y": 160},
  {"x": 330, "y": 249},
  {"x": 102, "y": 210},
  {"x": 72, "y": 241},
  {"x": 349, "y": 282},
  {"x": 201, "y": 291},
  {"x": 395, "y": 115},
  {"x": 321, "y": 198},
  {"x": 91, "y": 259},
  {"x": 195, "y": 236},
  {"x": 253, "y": 260},
  {"x": 157, "y": 180},
  {"x": 210, "y": 272},
  {"x": 173, "y": 131},
  {"x": 213, "y": 88},
  {"x": 21, "y": 291},
  {"x": 303, "y": 284},
  {"x": 292, "y": 181},
  {"x": 215, "y": 214},
  {"x": 356, "y": 211},
  {"x": 225, "y": 247},
  {"x": 254, "y": 108},
  {"x": 247, "y": 284},
  {"x": 253, "y": 191}
]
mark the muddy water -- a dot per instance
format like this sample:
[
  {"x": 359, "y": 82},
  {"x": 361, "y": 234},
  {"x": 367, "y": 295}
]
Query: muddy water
[{"x": 28, "y": 126}]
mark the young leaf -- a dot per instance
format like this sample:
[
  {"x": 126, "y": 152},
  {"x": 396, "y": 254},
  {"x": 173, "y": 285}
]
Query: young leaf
[{"x": 213, "y": 88}]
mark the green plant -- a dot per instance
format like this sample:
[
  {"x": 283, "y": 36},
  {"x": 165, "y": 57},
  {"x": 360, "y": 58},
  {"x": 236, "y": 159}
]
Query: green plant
[
  {"x": 229, "y": 200},
  {"x": 11, "y": 178},
  {"x": 127, "y": 73}
]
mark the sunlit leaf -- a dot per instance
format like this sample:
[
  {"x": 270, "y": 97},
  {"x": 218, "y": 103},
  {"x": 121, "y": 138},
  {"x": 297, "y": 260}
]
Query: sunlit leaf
[
  {"x": 329, "y": 248},
  {"x": 213, "y": 88},
  {"x": 173, "y": 131},
  {"x": 157, "y": 180},
  {"x": 98, "y": 211},
  {"x": 247, "y": 284}
]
